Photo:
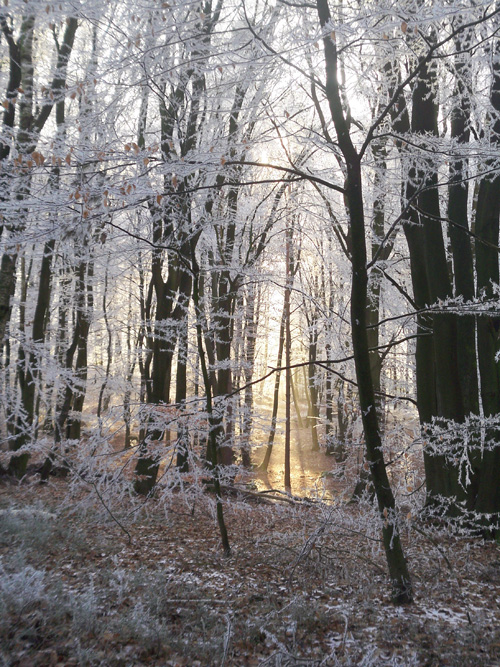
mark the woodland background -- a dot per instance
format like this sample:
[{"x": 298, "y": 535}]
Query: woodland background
[{"x": 237, "y": 225}]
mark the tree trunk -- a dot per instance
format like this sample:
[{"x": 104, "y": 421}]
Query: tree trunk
[
  {"x": 276, "y": 395},
  {"x": 214, "y": 420},
  {"x": 18, "y": 464},
  {"x": 487, "y": 272},
  {"x": 251, "y": 327},
  {"x": 288, "y": 350},
  {"x": 181, "y": 395},
  {"x": 458, "y": 226},
  {"x": 398, "y": 571},
  {"x": 30, "y": 127},
  {"x": 296, "y": 402},
  {"x": 442, "y": 476},
  {"x": 103, "y": 400},
  {"x": 313, "y": 416}
]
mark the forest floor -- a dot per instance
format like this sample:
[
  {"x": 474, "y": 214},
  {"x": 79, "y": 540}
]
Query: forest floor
[{"x": 305, "y": 584}]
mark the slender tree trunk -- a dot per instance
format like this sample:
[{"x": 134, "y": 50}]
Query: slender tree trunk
[
  {"x": 131, "y": 361},
  {"x": 288, "y": 350},
  {"x": 329, "y": 384},
  {"x": 32, "y": 375},
  {"x": 251, "y": 325},
  {"x": 86, "y": 299},
  {"x": 296, "y": 402},
  {"x": 103, "y": 400},
  {"x": 294, "y": 266},
  {"x": 181, "y": 395},
  {"x": 313, "y": 416},
  {"x": 398, "y": 571},
  {"x": 214, "y": 419},
  {"x": 276, "y": 394}
]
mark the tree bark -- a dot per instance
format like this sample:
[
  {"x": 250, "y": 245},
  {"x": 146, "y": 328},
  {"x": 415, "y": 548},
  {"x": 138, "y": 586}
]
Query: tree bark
[
  {"x": 29, "y": 130},
  {"x": 398, "y": 571},
  {"x": 213, "y": 418},
  {"x": 487, "y": 501},
  {"x": 17, "y": 465},
  {"x": 288, "y": 350},
  {"x": 276, "y": 394}
]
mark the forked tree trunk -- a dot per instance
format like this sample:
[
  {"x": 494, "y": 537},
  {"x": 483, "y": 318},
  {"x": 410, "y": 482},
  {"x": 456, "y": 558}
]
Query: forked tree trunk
[
  {"x": 74, "y": 387},
  {"x": 443, "y": 480},
  {"x": 30, "y": 127}
]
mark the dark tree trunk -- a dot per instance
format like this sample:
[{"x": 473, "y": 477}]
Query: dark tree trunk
[
  {"x": 75, "y": 388},
  {"x": 313, "y": 415},
  {"x": 172, "y": 225},
  {"x": 31, "y": 377},
  {"x": 460, "y": 241},
  {"x": 85, "y": 301},
  {"x": 215, "y": 430},
  {"x": 398, "y": 571},
  {"x": 487, "y": 271},
  {"x": 442, "y": 477},
  {"x": 288, "y": 350},
  {"x": 103, "y": 400},
  {"x": 30, "y": 127},
  {"x": 438, "y": 384},
  {"x": 178, "y": 285},
  {"x": 181, "y": 395}
]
